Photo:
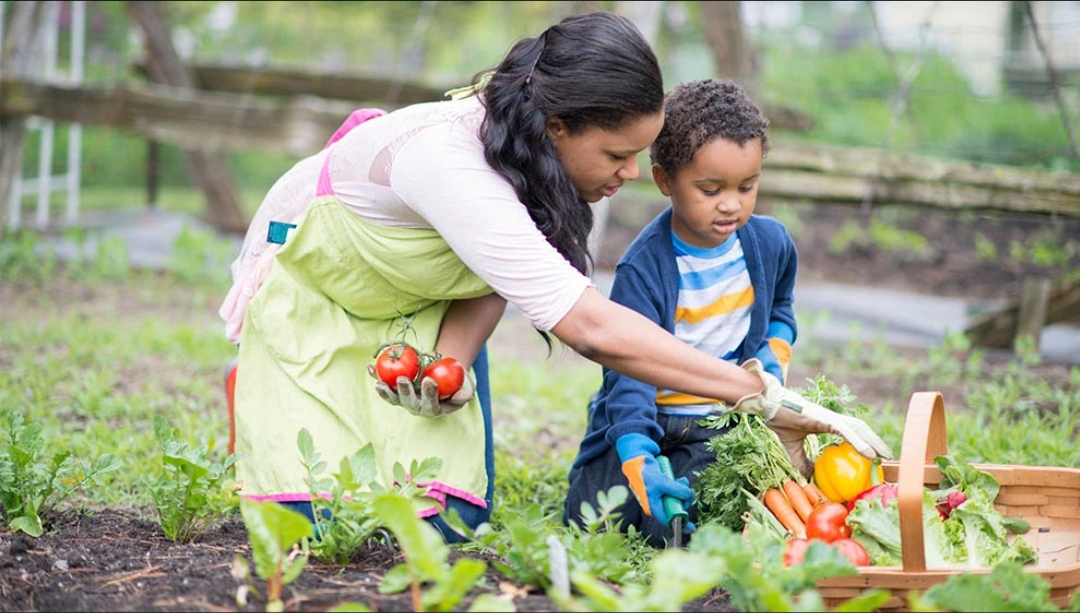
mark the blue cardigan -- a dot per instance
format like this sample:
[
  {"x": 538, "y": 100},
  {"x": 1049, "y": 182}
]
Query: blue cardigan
[{"x": 646, "y": 280}]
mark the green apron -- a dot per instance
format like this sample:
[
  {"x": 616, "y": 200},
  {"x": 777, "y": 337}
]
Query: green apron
[{"x": 335, "y": 292}]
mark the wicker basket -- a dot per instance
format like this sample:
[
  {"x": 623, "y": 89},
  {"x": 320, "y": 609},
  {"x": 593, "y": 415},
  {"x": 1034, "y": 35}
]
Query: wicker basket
[{"x": 1046, "y": 497}]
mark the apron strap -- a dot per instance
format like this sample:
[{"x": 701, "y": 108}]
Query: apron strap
[{"x": 355, "y": 118}]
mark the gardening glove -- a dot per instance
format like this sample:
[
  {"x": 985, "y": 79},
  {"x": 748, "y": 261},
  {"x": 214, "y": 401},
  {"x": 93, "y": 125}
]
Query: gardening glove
[
  {"x": 793, "y": 417},
  {"x": 648, "y": 483},
  {"x": 426, "y": 403}
]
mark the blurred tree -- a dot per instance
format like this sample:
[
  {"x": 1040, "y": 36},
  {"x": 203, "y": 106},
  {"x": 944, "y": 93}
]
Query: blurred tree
[
  {"x": 208, "y": 168},
  {"x": 721, "y": 23}
]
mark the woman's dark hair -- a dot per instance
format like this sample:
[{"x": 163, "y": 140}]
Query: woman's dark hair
[
  {"x": 594, "y": 69},
  {"x": 697, "y": 112}
]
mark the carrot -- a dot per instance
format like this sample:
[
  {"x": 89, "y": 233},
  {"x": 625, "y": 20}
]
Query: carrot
[
  {"x": 814, "y": 493},
  {"x": 778, "y": 503},
  {"x": 797, "y": 497}
]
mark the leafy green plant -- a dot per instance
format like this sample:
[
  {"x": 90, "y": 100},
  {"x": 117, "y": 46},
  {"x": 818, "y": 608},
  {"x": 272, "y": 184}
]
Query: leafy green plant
[
  {"x": 434, "y": 583},
  {"x": 30, "y": 485},
  {"x": 340, "y": 503},
  {"x": 891, "y": 238},
  {"x": 191, "y": 491},
  {"x": 276, "y": 533},
  {"x": 985, "y": 249},
  {"x": 198, "y": 254},
  {"x": 111, "y": 261},
  {"x": 19, "y": 257},
  {"x": 522, "y": 550}
]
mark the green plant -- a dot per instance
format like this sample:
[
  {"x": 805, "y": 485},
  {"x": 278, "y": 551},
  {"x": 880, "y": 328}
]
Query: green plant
[
  {"x": 191, "y": 491},
  {"x": 985, "y": 249},
  {"x": 275, "y": 533},
  {"x": 198, "y": 255},
  {"x": 434, "y": 583},
  {"x": 19, "y": 257},
  {"x": 522, "y": 550},
  {"x": 341, "y": 503},
  {"x": 891, "y": 238},
  {"x": 850, "y": 234},
  {"x": 30, "y": 485},
  {"x": 111, "y": 261}
]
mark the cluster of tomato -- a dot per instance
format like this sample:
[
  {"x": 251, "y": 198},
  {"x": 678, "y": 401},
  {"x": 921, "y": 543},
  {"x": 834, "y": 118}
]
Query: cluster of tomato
[
  {"x": 827, "y": 523},
  {"x": 399, "y": 359}
]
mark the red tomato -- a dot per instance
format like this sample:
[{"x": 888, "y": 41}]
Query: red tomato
[
  {"x": 796, "y": 551},
  {"x": 852, "y": 550},
  {"x": 449, "y": 374},
  {"x": 397, "y": 361},
  {"x": 828, "y": 522}
]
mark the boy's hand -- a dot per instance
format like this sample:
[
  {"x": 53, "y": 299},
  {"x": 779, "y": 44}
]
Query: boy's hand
[{"x": 648, "y": 483}]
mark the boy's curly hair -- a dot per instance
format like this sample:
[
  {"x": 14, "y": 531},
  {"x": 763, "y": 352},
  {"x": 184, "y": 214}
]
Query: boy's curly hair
[{"x": 696, "y": 112}]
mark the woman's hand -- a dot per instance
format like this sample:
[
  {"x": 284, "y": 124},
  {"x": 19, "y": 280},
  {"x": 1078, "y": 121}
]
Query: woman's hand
[{"x": 425, "y": 403}]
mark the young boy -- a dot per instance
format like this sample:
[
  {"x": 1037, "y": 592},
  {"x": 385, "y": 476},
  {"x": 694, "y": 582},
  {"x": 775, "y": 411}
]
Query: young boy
[{"x": 717, "y": 276}]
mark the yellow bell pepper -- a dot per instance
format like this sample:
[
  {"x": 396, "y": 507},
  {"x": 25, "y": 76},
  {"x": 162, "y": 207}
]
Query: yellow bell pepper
[{"x": 843, "y": 473}]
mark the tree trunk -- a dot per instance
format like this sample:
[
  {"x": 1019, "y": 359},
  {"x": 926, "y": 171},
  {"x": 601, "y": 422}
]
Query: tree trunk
[
  {"x": 209, "y": 169},
  {"x": 721, "y": 24}
]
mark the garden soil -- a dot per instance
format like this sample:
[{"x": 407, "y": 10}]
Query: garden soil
[{"x": 118, "y": 559}]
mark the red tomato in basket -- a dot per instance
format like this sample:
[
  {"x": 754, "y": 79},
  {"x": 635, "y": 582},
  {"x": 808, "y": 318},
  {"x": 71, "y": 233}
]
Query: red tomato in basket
[
  {"x": 828, "y": 522},
  {"x": 852, "y": 550},
  {"x": 796, "y": 551}
]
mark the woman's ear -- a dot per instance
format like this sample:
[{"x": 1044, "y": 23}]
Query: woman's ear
[
  {"x": 555, "y": 128},
  {"x": 662, "y": 180}
]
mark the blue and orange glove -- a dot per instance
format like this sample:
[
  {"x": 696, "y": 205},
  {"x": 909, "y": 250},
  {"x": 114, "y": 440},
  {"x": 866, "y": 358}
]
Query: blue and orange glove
[{"x": 647, "y": 482}]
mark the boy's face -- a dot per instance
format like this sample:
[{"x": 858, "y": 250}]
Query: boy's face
[{"x": 715, "y": 194}]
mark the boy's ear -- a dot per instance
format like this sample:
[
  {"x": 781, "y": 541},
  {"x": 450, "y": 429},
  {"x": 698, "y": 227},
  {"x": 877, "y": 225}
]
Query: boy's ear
[{"x": 661, "y": 179}]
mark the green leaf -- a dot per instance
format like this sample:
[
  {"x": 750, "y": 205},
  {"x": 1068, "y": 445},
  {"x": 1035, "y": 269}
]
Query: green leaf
[{"x": 273, "y": 529}]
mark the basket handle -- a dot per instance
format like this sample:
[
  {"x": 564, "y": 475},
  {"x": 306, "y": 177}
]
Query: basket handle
[{"x": 924, "y": 439}]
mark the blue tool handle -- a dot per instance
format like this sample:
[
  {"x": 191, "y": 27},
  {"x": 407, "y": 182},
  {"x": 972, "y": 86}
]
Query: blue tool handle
[{"x": 672, "y": 506}]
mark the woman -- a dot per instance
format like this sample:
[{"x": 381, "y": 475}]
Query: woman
[{"x": 440, "y": 213}]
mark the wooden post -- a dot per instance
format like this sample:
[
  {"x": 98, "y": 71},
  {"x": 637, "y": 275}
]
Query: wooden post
[
  {"x": 1031, "y": 318},
  {"x": 153, "y": 157}
]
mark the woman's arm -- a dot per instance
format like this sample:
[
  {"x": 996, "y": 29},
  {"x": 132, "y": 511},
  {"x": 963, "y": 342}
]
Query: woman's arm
[
  {"x": 623, "y": 340},
  {"x": 467, "y": 326}
]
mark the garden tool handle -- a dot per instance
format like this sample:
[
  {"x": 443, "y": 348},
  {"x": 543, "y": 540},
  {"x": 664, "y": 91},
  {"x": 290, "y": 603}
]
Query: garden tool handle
[{"x": 672, "y": 505}]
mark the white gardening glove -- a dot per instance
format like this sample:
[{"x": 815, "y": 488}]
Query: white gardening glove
[
  {"x": 793, "y": 417},
  {"x": 426, "y": 404}
]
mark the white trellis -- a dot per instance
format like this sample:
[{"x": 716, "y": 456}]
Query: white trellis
[{"x": 46, "y": 182}]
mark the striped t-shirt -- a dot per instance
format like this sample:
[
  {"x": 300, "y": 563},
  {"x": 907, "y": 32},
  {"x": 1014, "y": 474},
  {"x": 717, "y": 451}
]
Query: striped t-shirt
[{"x": 713, "y": 311}]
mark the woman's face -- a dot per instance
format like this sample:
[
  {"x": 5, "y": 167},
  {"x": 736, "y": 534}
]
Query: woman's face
[{"x": 599, "y": 161}]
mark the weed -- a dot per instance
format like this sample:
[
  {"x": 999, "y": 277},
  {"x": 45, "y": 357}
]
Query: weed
[
  {"x": 344, "y": 519},
  {"x": 30, "y": 485},
  {"x": 191, "y": 492}
]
